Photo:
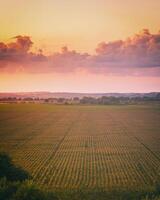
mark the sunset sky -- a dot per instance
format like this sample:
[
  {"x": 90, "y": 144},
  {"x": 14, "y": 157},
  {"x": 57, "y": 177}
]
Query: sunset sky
[{"x": 80, "y": 45}]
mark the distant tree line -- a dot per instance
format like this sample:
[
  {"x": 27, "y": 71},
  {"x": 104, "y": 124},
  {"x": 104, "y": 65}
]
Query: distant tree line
[{"x": 104, "y": 100}]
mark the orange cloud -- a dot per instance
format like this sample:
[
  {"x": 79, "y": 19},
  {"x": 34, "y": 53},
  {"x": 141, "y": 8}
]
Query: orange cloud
[{"x": 138, "y": 55}]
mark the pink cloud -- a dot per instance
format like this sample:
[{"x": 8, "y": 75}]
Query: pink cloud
[
  {"x": 15, "y": 51},
  {"x": 142, "y": 50},
  {"x": 138, "y": 55}
]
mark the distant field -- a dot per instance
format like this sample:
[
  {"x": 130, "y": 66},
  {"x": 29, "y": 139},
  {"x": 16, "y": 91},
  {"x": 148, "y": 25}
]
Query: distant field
[{"x": 70, "y": 147}]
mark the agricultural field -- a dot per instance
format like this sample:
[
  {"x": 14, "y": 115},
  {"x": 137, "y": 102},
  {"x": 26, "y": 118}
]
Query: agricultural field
[{"x": 70, "y": 147}]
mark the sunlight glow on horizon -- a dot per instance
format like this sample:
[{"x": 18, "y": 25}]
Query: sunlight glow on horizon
[{"x": 83, "y": 83}]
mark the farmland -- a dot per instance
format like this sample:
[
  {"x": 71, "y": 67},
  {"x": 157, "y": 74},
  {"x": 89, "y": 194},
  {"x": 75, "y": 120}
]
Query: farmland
[{"x": 71, "y": 147}]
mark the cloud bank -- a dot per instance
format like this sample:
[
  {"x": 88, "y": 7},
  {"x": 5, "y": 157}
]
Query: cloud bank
[{"x": 137, "y": 55}]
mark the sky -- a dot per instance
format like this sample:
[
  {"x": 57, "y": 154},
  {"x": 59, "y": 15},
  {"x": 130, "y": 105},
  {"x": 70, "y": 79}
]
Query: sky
[{"x": 80, "y": 45}]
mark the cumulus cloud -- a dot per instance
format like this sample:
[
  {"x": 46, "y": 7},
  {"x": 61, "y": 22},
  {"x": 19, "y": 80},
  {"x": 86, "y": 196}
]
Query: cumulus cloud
[
  {"x": 139, "y": 54},
  {"x": 16, "y": 55},
  {"x": 142, "y": 50},
  {"x": 15, "y": 51}
]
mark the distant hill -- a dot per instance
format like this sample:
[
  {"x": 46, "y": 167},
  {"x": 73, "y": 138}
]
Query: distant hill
[{"x": 46, "y": 95}]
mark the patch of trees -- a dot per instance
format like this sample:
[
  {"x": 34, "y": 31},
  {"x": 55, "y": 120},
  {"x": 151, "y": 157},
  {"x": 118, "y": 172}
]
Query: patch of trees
[
  {"x": 16, "y": 183},
  {"x": 10, "y": 171}
]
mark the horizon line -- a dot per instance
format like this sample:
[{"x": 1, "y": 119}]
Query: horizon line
[{"x": 79, "y": 92}]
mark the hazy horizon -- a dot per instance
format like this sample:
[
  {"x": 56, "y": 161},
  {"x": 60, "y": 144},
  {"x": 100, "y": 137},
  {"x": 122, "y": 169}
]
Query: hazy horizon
[{"x": 74, "y": 92}]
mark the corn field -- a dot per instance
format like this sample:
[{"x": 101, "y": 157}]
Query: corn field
[{"x": 70, "y": 147}]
